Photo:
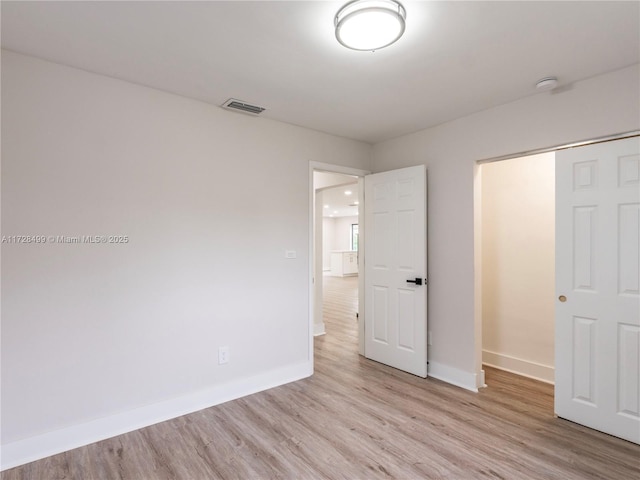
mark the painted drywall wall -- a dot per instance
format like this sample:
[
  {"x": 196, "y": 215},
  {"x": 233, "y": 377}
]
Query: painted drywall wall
[
  {"x": 336, "y": 236},
  {"x": 602, "y": 105},
  {"x": 209, "y": 200},
  {"x": 518, "y": 257},
  {"x": 342, "y": 232},
  {"x": 322, "y": 180},
  {"x": 328, "y": 236}
]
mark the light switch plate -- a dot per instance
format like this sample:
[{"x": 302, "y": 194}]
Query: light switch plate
[{"x": 223, "y": 355}]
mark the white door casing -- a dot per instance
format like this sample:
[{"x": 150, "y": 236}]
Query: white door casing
[
  {"x": 598, "y": 287},
  {"x": 395, "y": 252}
]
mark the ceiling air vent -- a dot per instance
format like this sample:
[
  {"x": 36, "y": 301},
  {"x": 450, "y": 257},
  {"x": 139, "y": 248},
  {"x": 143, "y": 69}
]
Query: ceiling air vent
[{"x": 240, "y": 106}]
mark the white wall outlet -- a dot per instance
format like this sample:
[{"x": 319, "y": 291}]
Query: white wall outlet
[
  {"x": 223, "y": 355},
  {"x": 429, "y": 338},
  {"x": 290, "y": 254}
]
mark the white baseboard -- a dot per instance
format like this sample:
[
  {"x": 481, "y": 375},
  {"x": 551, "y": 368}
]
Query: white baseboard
[
  {"x": 58, "y": 441},
  {"x": 519, "y": 366},
  {"x": 454, "y": 376},
  {"x": 481, "y": 382},
  {"x": 318, "y": 329}
]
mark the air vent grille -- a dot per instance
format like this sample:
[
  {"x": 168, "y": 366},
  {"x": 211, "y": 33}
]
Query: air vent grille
[{"x": 240, "y": 106}]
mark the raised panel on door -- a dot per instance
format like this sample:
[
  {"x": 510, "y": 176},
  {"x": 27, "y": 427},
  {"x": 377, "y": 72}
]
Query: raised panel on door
[
  {"x": 585, "y": 222},
  {"x": 381, "y": 248},
  {"x": 629, "y": 250},
  {"x": 629, "y": 370},
  {"x": 406, "y": 241},
  {"x": 583, "y": 346},
  {"x": 380, "y": 314},
  {"x": 406, "y": 320}
]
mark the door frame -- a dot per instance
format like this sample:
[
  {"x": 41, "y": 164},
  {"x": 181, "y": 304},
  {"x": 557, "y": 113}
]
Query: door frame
[
  {"x": 477, "y": 230},
  {"x": 331, "y": 168},
  {"x": 513, "y": 363}
]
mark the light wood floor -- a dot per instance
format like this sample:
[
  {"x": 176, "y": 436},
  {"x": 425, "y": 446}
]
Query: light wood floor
[{"x": 356, "y": 419}]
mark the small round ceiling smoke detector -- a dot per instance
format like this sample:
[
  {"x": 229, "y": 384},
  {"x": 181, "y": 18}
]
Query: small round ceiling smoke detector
[{"x": 547, "y": 83}]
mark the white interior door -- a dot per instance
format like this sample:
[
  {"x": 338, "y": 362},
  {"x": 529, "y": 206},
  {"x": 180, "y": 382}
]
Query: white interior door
[
  {"x": 598, "y": 287},
  {"x": 395, "y": 262}
]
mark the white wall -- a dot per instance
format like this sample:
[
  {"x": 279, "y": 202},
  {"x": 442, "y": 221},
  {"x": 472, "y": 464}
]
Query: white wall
[
  {"x": 342, "y": 232},
  {"x": 100, "y": 339},
  {"x": 328, "y": 237},
  {"x": 602, "y": 105},
  {"x": 322, "y": 180},
  {"x": 518, "y": 257},
  {"x": 336, "y": 235}
]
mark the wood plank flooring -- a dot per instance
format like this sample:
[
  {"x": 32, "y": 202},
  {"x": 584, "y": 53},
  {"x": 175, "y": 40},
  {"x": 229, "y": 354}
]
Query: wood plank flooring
[{"x": 356, "y": 419}]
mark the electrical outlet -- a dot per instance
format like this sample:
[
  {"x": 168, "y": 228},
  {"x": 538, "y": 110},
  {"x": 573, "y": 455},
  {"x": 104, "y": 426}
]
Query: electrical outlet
[
  {"x": 223, "y": 355},
  {"x": 429, "y": 339}
]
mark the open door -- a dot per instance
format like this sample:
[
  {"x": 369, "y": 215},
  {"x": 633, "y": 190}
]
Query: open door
[
  {"x": 598, "y": 287},
  {"x": 395, "y": 250}
]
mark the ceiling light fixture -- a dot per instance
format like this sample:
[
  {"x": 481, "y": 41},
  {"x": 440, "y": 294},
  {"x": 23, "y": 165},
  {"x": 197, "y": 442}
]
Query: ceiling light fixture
[
  {"x": 370, "y": 25},
  {"x": 348, "y": 192}
]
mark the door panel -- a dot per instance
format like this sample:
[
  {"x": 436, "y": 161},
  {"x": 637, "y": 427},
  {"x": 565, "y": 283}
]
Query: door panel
[
  {"x": 598, "y": 277},
  {"x": 629, "y": 258},
  {"x": 584, "y": 224},
  {"x": 394, "y": 252},
  {"x": 380, "y": 314},
  {"x": 584, "y": 335},
  {"x": 629, "y": 390}
]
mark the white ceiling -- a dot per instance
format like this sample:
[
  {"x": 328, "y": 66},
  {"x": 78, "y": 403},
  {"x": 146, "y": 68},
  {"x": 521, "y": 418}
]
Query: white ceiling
[
  {"x": 336, "y": 203},
  {"x": 455, "y": 58}
]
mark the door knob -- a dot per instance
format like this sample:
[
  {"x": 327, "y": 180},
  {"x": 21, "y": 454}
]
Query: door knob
[
  {"x": 562, "y": 298},
  {"x": 417, "y": 281}
]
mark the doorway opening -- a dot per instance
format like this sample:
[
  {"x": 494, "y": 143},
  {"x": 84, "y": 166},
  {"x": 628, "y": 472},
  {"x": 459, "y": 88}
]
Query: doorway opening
[
  {"x": 336, "y": 245},
  {"x": 596, "y": 272},
  {"x": 517, "y": 236},
  {"x": 394, "y": 241},
  {"x": 332, "y": 234}
]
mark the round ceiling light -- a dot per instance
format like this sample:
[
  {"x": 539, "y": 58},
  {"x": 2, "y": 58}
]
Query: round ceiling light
[{"x": 370, "y": 24}]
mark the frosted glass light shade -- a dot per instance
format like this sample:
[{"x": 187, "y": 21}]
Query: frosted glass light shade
[{"x": 370, "y": 24}]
